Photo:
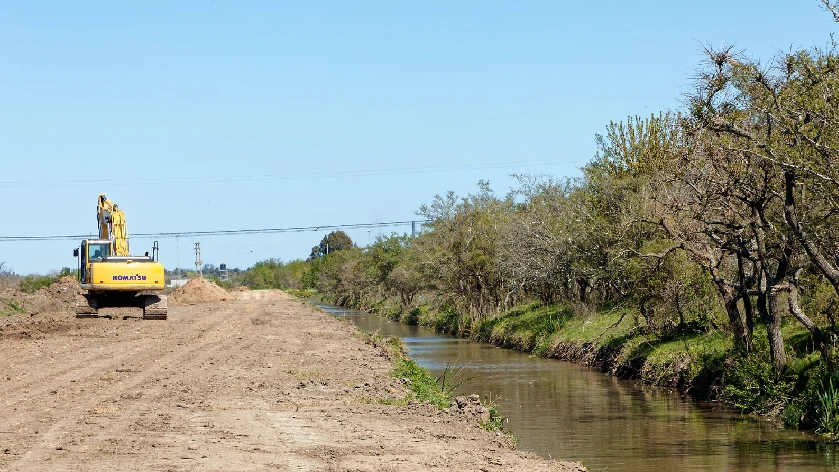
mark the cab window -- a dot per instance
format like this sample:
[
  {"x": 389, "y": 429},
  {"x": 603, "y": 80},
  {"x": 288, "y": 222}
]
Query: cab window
[{"x": 98, "y": 251}]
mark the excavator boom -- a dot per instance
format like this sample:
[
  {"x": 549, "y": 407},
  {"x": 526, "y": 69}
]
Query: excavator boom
[{"x": 111, "y": 222}]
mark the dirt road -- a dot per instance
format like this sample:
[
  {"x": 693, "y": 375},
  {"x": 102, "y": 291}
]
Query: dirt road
[{"x": 263, "y": 382}]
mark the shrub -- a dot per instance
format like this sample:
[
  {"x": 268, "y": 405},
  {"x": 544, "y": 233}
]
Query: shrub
[
  {"x": 412, "y": 317},
  {"x": 496, "y": 419},
  {"x": 828, "y": 419},
  {"x": 423, "y": 385},
  {"x": 750, "y": 384},
  {"x": 793, "y": 415},
  {"x": 33, "y": 283}
]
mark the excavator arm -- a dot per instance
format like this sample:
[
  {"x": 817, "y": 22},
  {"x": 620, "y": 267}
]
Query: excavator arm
[{"x": 112, "y": 225}]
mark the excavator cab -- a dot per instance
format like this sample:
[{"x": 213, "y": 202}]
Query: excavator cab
[{"x": 91, "y": 250}]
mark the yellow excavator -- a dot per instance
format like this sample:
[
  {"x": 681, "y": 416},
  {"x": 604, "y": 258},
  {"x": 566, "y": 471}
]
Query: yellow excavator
[{"x": 114, "y": 278}]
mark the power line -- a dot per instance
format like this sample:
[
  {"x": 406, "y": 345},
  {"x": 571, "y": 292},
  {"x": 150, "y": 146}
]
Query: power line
[
  {"x": 288, "y": 176},
  {"x": 233, "y": 232}
]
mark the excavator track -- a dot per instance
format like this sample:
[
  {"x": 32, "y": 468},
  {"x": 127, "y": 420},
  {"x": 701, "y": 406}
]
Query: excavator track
[
  {"x": 155, "y": 307},
  {"x": 86, "y": 306}
]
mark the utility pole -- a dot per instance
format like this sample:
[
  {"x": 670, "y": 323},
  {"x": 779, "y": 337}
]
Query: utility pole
[
  {"x": 178, "y": 252},
  {"x": 198, "y": 259}
]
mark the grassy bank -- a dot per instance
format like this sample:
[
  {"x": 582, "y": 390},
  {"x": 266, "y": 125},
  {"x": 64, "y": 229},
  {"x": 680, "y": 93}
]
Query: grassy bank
[
  {"x": 607, "y": 338},
  {"x": 424, "y": 387},
  {"x": 700, "y": 363}
]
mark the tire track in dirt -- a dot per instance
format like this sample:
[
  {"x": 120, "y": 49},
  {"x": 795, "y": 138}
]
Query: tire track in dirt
[
  {"x": 177, "y": 427},
  {"x": 63, "y": 373},
  {"x": 146, "y": 364},
  {"x": 149, "y": 425},
  {"x": 70, "y": 366}
]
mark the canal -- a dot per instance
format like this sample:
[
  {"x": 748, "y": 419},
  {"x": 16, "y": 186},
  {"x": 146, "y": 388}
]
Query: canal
[{"x": 567, "y": 411}]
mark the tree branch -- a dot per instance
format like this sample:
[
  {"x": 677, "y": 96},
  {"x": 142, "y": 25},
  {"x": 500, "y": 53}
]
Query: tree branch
[{"x": 832, "y": 7}]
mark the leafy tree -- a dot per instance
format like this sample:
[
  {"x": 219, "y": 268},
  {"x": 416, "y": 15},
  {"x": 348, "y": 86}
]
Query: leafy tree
[
  {"x": 290, "y": 274},
  {"x": 393, "y": 267},
  {"x": 535, "y": 254},
  {"x": 261, "y": 275},
  {"x": 385, "y": 254},
  {"x": 460, "y": 251},
  {"x": 342, "y": 274},
  {"x": 332, "y": 242}
]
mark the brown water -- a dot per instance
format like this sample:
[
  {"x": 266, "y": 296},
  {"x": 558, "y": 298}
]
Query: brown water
[{"x": 566, "y": 411}]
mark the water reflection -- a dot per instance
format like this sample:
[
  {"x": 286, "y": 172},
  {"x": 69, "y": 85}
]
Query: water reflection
[{"x": 566, "y": 411}]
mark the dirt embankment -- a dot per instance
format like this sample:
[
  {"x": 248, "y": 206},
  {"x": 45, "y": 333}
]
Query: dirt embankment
[
  {"x": 24, "y": 314},
  {"x": 262, "y": 382}
]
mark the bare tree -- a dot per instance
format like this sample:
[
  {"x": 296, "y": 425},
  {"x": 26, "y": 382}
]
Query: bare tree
[
  {"x": 779, "y": 124},
  {"x": 832, "y": 7},
  {"x": 535, "y": 247},
  {"x": 696, "y": 210}
]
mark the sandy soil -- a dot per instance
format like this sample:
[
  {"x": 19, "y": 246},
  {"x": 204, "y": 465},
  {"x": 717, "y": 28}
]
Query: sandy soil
[
  {"x": 263, "y": 382},
  {"x": 198, "y": 290}
]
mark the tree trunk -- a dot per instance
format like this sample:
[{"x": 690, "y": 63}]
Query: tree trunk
[
  {"x": 750, "y": 314},
  {"x": 742, "y": 340},
  {"x": 767, "y": 301},
  {"x": 830, "y": 271},
  {"x": 583, "y": 284},
  {"x": 680, "y": 311},
  {"x": 768, "y": 307},
  {"x": 819, "y": 339},
  {"x": 776, "y": 339},
  {"x": 748, "y": 309}
]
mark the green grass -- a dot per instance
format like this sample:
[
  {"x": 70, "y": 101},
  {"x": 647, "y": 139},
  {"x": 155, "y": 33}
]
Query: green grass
[
  {"x": 604, "y": 326},
  {"x": 828, "y": 421},
  {"x": 304, "y": 293},
  {"x": 423, "y": 385},
  {"x": 11, "y": 308},
  {"x": 524, "y": 327},
  {"x": 33, "y": 283},
  {"x": 496, "y": 419}
]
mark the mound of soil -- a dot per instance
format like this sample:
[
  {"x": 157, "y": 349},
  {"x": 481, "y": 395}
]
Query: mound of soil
[
  {"x": 63, "y": 290},
  {"x": 56, "y": 297},
  {"x": 31, "y": 313},
  {"x": 199, "y": 290}
]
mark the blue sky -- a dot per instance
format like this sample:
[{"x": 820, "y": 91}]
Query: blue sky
[{"x": 220, "y": 115}]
